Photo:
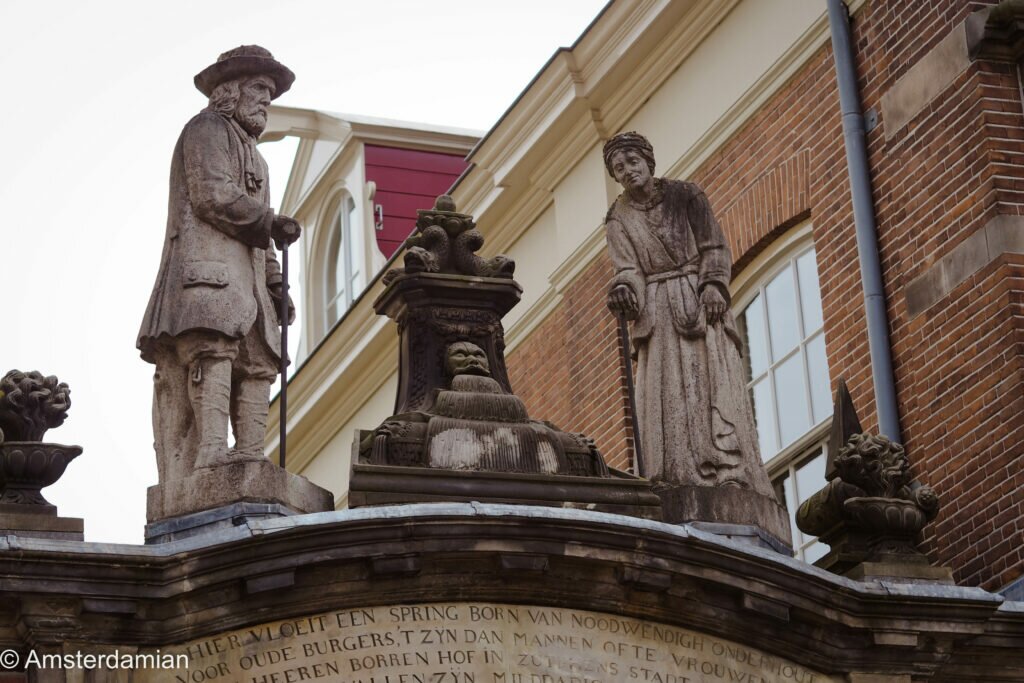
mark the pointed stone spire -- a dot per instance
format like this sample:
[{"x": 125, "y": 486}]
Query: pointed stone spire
[{"x": 844, "y": 425}]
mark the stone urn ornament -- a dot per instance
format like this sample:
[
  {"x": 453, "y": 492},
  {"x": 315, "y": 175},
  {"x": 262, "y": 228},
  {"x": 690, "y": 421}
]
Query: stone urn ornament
[
  {"x": 871, "y": 511},
  {"x": 31, "y": 404},
  {"x": 892, "y": 506}
]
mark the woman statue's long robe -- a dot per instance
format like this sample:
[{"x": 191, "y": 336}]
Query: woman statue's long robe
[{"x": 696, "y": 424}]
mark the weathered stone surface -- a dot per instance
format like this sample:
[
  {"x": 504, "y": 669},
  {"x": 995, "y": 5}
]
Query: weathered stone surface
[
  {"x": 257, "y": 481},
  {"x": 213, "y": 520},
  {"x": 870, "y": 511},
  {"x": 384, "y": 485},
  {"x": 211, "y": 326},
  {"x": 476, "y": 641},
  {"x": 91, "y": 597},
  {"x": 455, "y": 409},
  {"x": 727, "y": 505},
  {"x": 672, "y": 269},
  {"x": 903, "y": 570},
  {"x": 924, "y": 81},
  {"x": 40, "y": 525}
]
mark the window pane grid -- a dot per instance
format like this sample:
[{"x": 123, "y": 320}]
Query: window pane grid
[
  {"x": 806, "y": 547},
  {"x": 342, "y": 275},
  {"x": 777, "y": 357},
  {"x": 785, "y": 364}
]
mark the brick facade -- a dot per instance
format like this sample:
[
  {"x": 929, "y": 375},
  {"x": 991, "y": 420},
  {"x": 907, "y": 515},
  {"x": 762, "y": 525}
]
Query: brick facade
[{"x": 959, "y": 364}]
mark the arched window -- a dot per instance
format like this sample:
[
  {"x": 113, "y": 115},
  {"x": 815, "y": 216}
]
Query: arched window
[
  {"x": 780, "y": 320},
  {"x": 344, "y": 260}
]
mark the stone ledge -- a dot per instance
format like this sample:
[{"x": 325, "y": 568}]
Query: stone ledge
[
  {"x": 673, "y": 574},
  {"x": 392, "y": 485},
  {"x": 1002, "y": 235},
  {"x": 925, "y": 81},
  {"x": 35, "y": 525},
  {"x": 256, "y": 481},
  {"x": 210, "y": 521}
]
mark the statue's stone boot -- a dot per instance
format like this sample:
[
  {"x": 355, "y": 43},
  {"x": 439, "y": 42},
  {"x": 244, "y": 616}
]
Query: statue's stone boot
[
  {"x": 209, "y": 391},
  {"x": 249, "y": 419}
]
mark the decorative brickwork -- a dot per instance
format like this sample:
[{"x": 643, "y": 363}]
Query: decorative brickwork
[
  {"x": 777, "y": 200},
  {"x": 959, "y": 365}
]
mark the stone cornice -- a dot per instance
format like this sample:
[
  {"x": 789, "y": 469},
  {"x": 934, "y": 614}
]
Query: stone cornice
[{"x": 158, "y": 595}]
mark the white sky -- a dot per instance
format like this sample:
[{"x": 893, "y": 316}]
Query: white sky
[{"x": 95, "y": 96}]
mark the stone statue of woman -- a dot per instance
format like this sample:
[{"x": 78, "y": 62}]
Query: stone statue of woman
[{"x": 672, "y": 269}]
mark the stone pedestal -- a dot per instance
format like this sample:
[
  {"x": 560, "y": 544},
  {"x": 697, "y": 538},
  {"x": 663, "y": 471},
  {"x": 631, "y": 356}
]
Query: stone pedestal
[
  {"x": 211, "y": 488},
  {"x": 39, "y": 521},
  {"x": 384, "y": 485},
  {"x": 901, "y": 570},
  {"x": 731, "y": 511}
]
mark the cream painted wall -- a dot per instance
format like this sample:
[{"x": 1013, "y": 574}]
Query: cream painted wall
[
  {"x": 580, "y": 203},
  {"x": 323, "y": 151},
  {"x": 728, "y": 63},
  {"x": 535, "y": 259},
  {"x": 331, "y": 468}
]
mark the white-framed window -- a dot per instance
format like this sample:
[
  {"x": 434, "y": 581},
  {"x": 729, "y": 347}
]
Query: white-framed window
[
  {"x": 343, "y": 273},
  {"x": 779, "y": 315}
]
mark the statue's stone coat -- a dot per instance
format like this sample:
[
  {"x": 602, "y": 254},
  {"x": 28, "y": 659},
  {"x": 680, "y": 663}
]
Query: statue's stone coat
[
  {"x": 217, "y": 260},
  {"x": 211, "y": 326}
]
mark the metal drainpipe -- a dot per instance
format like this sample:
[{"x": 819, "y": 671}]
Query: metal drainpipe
[{"x": 864, "y": 221}]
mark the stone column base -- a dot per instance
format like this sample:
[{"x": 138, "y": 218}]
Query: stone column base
[
  {"x": 726, "y": 505},
  {"x": 256, "y": 481},
  {"x": 901, "y": 570},
  {"x": 39, "y": 521}
]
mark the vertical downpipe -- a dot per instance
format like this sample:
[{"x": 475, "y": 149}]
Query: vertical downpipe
[{"x": 864, "y": 221}]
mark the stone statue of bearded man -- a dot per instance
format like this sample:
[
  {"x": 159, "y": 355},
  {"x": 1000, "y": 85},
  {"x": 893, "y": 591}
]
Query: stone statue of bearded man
[
  {"x": 211, "y": 327},
  {"x": 672, "y": 269}
]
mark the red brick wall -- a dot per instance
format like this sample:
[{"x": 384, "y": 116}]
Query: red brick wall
[
  {"x": 569, "y": 370},
  {"x": 959, "y": 366}
]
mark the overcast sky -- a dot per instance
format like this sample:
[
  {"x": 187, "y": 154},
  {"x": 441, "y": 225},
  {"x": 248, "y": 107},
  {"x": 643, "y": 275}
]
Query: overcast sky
[{"x": 95, "y": 95}]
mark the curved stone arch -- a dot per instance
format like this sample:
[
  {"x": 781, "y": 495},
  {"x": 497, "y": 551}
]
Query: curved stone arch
[{"x": 184, "y": 595}]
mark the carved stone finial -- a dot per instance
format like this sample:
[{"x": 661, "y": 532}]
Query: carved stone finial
[
  {"x": 446, "y": 241},
  {"x": 30, "y": 404},
  {"x": 459, "y": 432},
  {"x": 445, "y": 203},
  {"x": 871, "y": 510},
  {"x": 844, "y": 425}
]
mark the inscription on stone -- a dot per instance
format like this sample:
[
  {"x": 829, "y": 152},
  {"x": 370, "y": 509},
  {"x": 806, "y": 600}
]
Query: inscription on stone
[{"x": 473, "y": 643}]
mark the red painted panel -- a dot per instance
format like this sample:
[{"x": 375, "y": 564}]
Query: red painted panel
[
  {"x": 414, "y": 159},
  {"x": 407, "y": 180},
  {"x": 401, "y": 204}
]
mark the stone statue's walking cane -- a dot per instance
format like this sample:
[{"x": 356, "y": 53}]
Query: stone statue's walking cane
[
  {"x": 631, "y": 390},
  {"x": 283, "y": 397}
]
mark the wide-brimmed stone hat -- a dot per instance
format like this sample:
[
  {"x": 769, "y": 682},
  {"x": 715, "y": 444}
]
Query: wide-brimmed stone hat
[{"x": 245, "y": 60}]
